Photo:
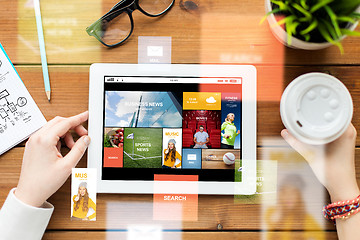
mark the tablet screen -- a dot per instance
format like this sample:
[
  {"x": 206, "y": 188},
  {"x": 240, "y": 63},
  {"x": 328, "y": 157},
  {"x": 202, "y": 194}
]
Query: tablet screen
[{"x": 172, "y": 125}]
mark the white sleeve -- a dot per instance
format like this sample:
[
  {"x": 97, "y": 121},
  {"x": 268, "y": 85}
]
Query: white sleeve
[{"x": 21, "y": 221}]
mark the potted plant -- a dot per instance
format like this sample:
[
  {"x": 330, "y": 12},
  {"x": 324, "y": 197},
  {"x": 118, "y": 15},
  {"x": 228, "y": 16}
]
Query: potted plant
[{"x": 312, "y": 24}]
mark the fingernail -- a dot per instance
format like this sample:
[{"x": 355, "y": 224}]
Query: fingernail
[
  {"x": 284, "y": 133},
  {"x": 87, "y": 140}
]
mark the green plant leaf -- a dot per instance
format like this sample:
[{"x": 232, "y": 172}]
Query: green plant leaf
[
  {"x": 302, "y": 10},
  {"x": 304, "y": 5},
  {"x": 346, "y": 19},
  {"x": 303, "y": 19},
  {"x": 330, "y": 29},
  {"x": 311, "y": 27},
  {"x": 333, "y": 20},
  {"x": 320, "y": 5},
  {"x": 327, "y": 37},
  {"x": 292, "y": 27},
  {"x": 324, "y": 32},
  {"x": 348, "y": 32},
  {"x": 285, "y": 20},
  {"x": 269, "y": 13},
  {"x": 355, "y": 15},
  {"x": 289, "y": 39},
  {"x": 345, "y": 7},
  {"x": 281, "y": 4}
]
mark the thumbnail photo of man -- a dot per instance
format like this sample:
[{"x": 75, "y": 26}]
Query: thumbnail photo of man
[{"x": 201, "y": 138}]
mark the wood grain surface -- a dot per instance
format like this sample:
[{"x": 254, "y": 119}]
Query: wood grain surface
[
  {"x": 117, "y": 211},
  {"x": 212, "y": 32},
  {"x": 184, "y": 235}
]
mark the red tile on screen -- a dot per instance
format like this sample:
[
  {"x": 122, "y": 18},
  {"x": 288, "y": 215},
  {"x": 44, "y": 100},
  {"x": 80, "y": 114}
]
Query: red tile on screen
[
  {"x": 113, "y": 157},
  {"x": 180, "y": 207},
  {"x": 168, "y": 177}
]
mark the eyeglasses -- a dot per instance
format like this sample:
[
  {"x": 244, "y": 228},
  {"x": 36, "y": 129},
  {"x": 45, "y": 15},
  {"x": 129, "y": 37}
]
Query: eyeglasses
[{"x": 116, "y": 26}]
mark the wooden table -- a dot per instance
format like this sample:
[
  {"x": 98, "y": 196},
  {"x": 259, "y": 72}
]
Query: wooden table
[{"x": 220, "y": 32}]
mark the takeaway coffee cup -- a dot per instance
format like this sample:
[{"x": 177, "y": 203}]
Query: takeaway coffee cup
[{"x": 316, "y": 108}]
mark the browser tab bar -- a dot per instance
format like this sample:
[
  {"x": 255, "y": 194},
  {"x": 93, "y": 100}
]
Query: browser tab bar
[{"x": 170, "y": 79}]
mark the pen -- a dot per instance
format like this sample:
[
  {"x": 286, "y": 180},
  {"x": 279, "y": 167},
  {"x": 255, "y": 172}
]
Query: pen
[{"x": 42, "y": 48}]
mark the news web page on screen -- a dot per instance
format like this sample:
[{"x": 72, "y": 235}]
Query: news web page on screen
[{"x": 172, "y": 125}]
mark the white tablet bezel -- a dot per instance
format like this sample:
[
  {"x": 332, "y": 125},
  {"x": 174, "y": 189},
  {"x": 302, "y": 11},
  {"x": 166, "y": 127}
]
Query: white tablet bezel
[{"x": 248, "y": 144}]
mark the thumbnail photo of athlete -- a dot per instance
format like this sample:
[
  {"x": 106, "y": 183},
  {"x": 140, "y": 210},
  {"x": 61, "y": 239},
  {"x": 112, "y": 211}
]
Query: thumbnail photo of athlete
[{"x": 230, "y": 132}]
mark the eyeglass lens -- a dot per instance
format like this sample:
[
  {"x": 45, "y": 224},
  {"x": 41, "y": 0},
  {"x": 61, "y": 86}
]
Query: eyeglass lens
[
  {"x": 117, "y": 26},
  {"x": 115, "y": 29},
  {"x": 155, "y": 7}
]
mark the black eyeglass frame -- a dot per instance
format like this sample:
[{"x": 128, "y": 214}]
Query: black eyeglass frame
[{"x": 116, "y": 10}]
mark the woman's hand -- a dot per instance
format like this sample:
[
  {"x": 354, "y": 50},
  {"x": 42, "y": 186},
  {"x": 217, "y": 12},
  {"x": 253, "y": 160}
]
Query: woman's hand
[
  {"x": 76, "y": 198},
  {"x": 44, "y": 170},
  {"x": 333, "y": 163}
]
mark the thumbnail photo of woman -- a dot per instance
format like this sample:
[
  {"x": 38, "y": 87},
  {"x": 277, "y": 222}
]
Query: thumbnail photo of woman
[
  {"x": 230, "y": 132},
  {"x": 172, "y": 159},
  {"x": 82, "y": 203}
]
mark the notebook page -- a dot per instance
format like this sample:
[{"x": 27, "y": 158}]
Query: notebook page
[{"x": 19, "y": 114}]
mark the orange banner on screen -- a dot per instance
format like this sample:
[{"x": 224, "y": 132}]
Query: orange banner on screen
[
  {"x": 113, "y": 157},
  {"x": 182, "y": 207},
  {"x": 169, "y": 177},
  {"x": 202, "y": 100}
]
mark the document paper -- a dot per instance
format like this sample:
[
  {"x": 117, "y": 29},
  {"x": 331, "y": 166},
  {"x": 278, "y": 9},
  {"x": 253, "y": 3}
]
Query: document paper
[{"x": 19, "y": 114}]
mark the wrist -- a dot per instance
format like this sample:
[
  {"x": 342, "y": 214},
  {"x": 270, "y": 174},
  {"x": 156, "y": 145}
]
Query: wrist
[
  {"x": 341, "y": 209},
  {"x": 343, "y": 194},
  {"x": 27, "y": 198}
]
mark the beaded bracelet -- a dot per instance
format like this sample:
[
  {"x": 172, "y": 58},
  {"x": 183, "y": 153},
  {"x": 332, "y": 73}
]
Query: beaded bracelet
[{"x": 341, "y": 209}]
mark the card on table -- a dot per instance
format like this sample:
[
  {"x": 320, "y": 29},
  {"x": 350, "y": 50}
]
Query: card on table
[{"x": 83, "y": 194}]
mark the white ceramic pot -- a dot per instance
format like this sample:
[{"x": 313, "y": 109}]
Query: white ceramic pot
[{"x": 296, "y": 43}]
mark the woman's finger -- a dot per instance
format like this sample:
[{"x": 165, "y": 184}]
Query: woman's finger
[
  {"x": 69, "y": 141},
  {"x": 58, "y": 146},
  {"x": 62, "y": 127},
  {"x": 77, "y": 151},
  {"x": 81, "y": 130},
  {"x": 300, "y": 147}
]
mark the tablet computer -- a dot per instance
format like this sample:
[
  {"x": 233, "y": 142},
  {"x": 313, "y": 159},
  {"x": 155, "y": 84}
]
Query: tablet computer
[{"x": 173, "y": 128}]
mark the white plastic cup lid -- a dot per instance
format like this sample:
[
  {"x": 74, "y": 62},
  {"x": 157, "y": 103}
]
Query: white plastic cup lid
[{"x": 316, "y": 108}]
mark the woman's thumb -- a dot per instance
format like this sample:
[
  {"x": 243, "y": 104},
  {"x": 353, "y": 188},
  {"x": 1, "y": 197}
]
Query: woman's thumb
[{"x": 78, "y": 150}]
